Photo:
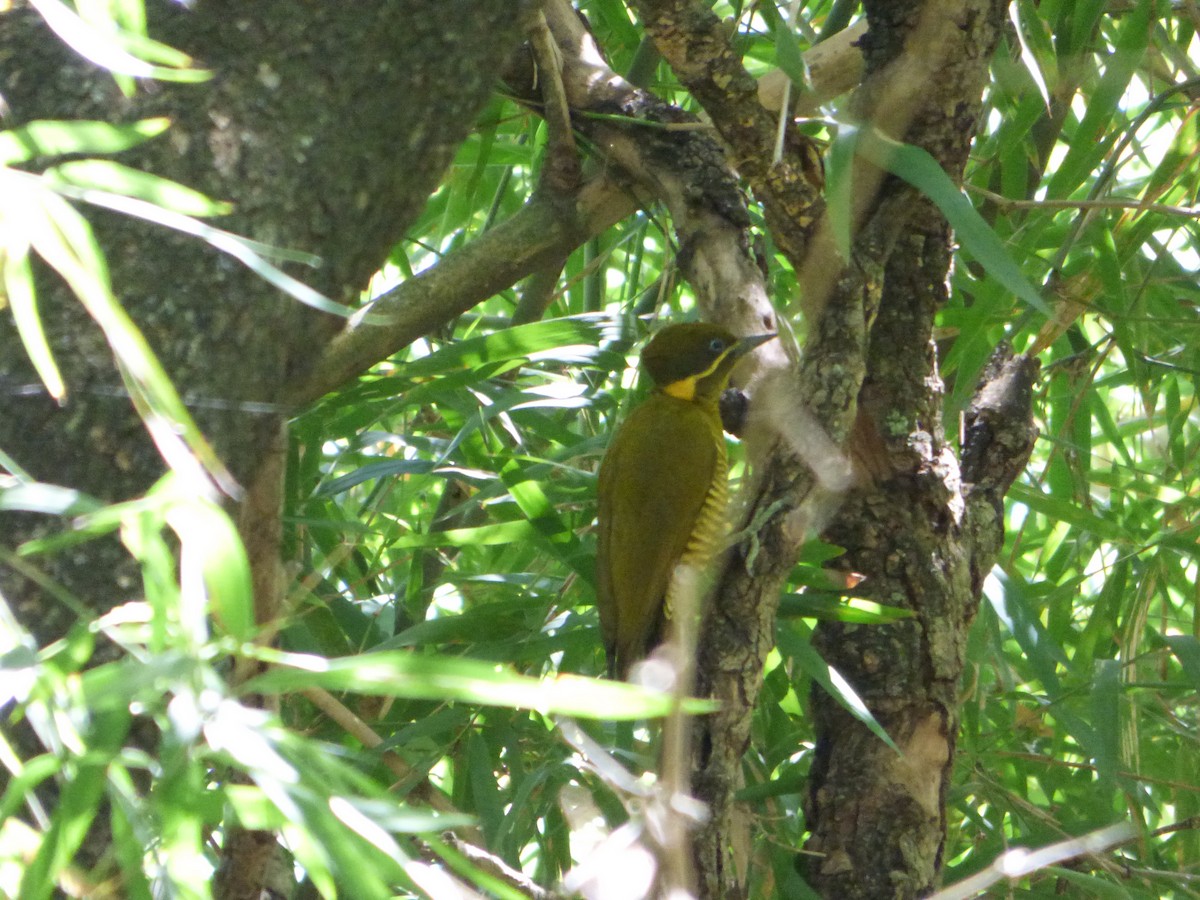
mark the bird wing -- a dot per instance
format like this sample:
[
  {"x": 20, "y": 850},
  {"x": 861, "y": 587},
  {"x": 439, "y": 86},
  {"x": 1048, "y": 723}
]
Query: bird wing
[{"x": 652, "y": 487}]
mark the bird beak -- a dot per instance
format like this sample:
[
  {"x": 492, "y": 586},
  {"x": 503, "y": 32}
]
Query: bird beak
[{"x": 746, "y": 344}]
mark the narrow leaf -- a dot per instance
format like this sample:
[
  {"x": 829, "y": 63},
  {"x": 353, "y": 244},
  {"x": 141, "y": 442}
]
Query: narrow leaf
[
  {"x": 921, "y": 170},
  {"x": 1027, "y": 58},
  {"x": 114, "y": 49},
  {"x": 48, "y": 499},
  {"x": 53, "y": 138},
  {"x": 1106, "y": 719},
  {"x": 826, "y": 607},
  {"x": 64, "y": 239},
  {"x": 417, "y": 677},
  {"x": 522, "y": 341},
  {"x": 1187, "y": 650},
  {"x": 839, "y": 187},
  {"x": 106, "y": 175},
  {"x": 22, "y": 300},
  {"x": 794, "y": 642},
  {"x": 210, "y": 541}
]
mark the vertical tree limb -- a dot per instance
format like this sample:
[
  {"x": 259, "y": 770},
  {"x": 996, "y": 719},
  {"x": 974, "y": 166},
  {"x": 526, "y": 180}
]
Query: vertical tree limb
[{"x": 877, "y": 818}]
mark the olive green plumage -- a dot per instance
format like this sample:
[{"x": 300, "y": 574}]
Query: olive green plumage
[{"x": 663, "y": 486}]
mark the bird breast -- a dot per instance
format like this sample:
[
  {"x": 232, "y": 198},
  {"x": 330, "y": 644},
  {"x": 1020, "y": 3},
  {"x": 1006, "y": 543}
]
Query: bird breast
[{"x": 709, "y": 529}]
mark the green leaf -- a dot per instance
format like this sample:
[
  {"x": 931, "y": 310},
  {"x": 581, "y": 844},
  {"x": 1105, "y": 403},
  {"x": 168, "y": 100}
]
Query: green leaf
[
  {"x": 28, "y": 775},
  {"x": 372, "y": 471},
  {"x": 48, "y": 499},
  {"x": 531, "y": 342},
  {"x": 42, "y": 138},
  {"x": 64, "y": 239},
  {"x": 1093, "y": 886},
  {"x": 788, "y": 55},
  {"x": 828, "y": 608},
  {"x": 839, "y": 187},
  {"x": 520, "y": 479},
  {"x": 416, "y": 677},
  {"x": 1187, "y": 650},
  {"x": 1015, "y": 609},
  {"x": 1106, "y": 719},
  {"x": 18, "y": 290},
  {"x": 77, "y": 805},
  {"x": 921, "y": 170},
  {"x": 1092, "y": 139},
  {"x": 1028, "y": 60},
  {"x": 486, "y": 796},
  {"x": 114, "y": 685},
  {"x": 105, "y": 175},
  {"x": 129, "y": 842},
  {"x": 210, "y": 541},
  {"x": 484, "y": 535},
  {"x": 463, "y": 867},
  {"x": 251, "y": 253},
  {"x": 795, "y": 641},
  {"x": 411, "y": 820},
  {"x": 117, "y": 50},
  {"x": 1060, "y": 509}
]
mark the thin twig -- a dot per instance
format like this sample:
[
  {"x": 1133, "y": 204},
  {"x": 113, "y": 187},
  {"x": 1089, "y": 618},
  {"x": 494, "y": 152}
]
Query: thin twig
[{"x": 1136, "y": 205}]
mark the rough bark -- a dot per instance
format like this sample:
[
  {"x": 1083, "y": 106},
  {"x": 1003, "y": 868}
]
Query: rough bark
[
  {"x": 299, "y": 127},
  {"x": 878, "y": 818}
]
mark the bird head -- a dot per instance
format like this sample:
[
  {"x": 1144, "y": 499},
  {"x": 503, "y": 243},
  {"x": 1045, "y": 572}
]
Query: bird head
[{"x": 693, "y": 360}]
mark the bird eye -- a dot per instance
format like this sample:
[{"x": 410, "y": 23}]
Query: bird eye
[{"x": 716, "y": 345}]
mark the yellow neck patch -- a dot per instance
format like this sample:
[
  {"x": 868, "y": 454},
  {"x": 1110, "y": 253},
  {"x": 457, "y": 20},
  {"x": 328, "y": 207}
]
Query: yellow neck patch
[{"x": 683, "y": 389}]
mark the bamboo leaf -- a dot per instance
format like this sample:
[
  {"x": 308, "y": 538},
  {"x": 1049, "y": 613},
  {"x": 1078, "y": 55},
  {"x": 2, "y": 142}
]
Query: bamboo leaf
[
  {"x": 105, "y": 175},
  {"x": 43, "y": 138},
  {"x": 921, "y": 170},
  {"x": 403, "y": 674}
]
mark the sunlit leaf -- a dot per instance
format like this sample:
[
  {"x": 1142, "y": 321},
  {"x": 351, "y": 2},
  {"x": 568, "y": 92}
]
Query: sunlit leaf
[
  {"x": 839, "y": 187},
  {"x": 210, "y": 541},
  {"x": 65, "y": 240},
  {"x": 120, "y": 51},
  {"x": 58, "y": 138},
  {"x": 105, "y": 175},
  {"x": 22, "y": 302},
  {"x": 520, "y": 342},
  {"x": 794, "y": 642},
  {"x": 48, "y": 499},
  {"x": 920, "y": 170},
  {"x": 402, "y": 674},
  {"x": 1106, "y": 692}
]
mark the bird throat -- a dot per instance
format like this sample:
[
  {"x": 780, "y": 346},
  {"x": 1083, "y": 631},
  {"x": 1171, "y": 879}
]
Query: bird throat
[{"x": 683, "y": 389}]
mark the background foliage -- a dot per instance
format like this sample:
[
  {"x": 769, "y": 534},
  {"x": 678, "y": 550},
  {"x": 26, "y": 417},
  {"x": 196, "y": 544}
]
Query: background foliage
[{"x": 442, "y": 506}]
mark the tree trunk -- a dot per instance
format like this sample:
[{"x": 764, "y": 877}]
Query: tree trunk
[
  {"x": 327, "y": 130},
  {"x": 913, "y": 527}
]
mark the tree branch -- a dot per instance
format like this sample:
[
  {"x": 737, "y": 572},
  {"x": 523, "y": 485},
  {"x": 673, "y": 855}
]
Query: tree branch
[
  {"x": 685, "y": 169},
  {"x": 696, "y": 44},
  {"x": 546, "y": 228},
  {"x": 998, "y": 438}
]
